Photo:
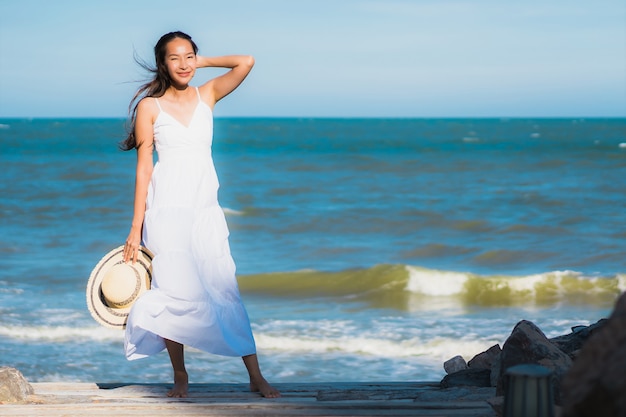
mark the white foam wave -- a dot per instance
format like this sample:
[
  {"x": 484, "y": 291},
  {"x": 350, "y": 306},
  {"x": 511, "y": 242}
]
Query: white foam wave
[
  {"x": 435, "y": 283},
  {"x": 471, "y": 139},
  {"x": 529, "y": 283},
  {"x": 59, "y": 377},
  {"x": 60, "y": 333},
  {"x": 11, "y": 291},
  {"x": 232, "y": 212},
  {"x": 622, "y": 145},
  {"x": 438, "y": 349},
  {"x": 4, "y": 126},
  {"x": 446, "y": 283}
]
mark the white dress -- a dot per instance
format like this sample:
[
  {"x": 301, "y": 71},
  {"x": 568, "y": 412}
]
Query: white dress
[{"x": 194, "y": 299}]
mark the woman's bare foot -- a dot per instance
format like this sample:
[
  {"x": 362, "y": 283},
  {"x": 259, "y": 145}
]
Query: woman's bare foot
[
  {"x": 263, "y": 387},
  {"x": 181, "y": 385}
]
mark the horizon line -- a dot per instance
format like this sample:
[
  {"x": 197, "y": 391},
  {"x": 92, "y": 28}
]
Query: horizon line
[{"x": 328, "y": 117}]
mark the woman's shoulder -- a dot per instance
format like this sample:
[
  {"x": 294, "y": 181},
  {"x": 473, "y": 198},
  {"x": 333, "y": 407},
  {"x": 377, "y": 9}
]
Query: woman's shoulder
[
  {"x": 207, "y": 94},
  {"x": 148, "y": 102},
  {"x": 148, "y": 105}
]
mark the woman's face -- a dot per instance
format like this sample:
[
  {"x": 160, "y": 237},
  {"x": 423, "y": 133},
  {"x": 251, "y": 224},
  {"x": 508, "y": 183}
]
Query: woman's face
[{"x": 180, "y": 60}]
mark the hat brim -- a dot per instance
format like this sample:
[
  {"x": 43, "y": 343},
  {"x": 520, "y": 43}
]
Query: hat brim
[{"x": 100, "y": 311}]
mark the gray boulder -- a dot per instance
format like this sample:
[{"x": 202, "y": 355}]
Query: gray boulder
[
  {"x": 595, "y": 385},
  {"x": 13, "y": 385},
  {"x": 571, "y": 343},
  {"x": 527, "y": 344},
  {"x": 467, "y": 377},
  {"x": 455, "y": 364},
  {"x": 486, "y": 359}
]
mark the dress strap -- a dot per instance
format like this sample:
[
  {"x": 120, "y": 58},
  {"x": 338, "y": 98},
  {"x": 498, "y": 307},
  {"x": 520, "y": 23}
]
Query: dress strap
[
  {"x": 198, "y": 93},
  {"x": 158, "y": 104}
]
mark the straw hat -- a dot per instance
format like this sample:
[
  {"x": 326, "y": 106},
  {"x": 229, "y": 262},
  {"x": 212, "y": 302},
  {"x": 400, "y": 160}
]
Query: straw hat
[{"x": 114, "y": 286}]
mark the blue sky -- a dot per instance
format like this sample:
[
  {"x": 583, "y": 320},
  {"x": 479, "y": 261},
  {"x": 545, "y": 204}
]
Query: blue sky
[{"x": 319, "y": 58}]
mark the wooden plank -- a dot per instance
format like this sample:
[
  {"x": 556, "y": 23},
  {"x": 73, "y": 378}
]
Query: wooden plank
[
  {"x": 132, "y": 410},
  {"x": 315, "y": 399},
  {"x": 184, "y": 411}
]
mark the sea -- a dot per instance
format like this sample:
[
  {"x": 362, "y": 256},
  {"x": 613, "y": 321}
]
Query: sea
[{"x": 366, "y": 249}]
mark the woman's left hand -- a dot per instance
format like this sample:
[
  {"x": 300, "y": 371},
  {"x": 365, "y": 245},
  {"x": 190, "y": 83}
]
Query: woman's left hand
[{"x": 132, "y": 245}]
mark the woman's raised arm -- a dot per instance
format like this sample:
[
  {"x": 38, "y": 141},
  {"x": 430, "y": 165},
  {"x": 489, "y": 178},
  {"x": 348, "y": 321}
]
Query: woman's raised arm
[{"x": 219, "y": 87}]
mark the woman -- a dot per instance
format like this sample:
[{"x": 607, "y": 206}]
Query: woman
[{"x": 194, "y": 298}]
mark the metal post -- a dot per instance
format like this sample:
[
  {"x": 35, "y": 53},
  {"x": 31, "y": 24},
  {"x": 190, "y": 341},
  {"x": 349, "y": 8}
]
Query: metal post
[{"x": 529, "y": 392}]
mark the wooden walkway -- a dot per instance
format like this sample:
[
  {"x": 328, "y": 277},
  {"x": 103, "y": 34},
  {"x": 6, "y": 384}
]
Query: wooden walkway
[{"x": 315, "y": 399}]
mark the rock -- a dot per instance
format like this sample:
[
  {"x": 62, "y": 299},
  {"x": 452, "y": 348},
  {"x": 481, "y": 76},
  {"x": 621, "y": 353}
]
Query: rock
[
  {"x": 454, "y": 364},
  {"x": 497, "y": 404},
  {"x": 486, "y": 359},
  {"x": 528, "y": 345},
  {"x": 595, "y": 385},
  {"x": 571, "y": 343},
  {"x": 467, "y": 377},
  {"x": 13, "y": 385},
  {"x": 495, "y": 370}
]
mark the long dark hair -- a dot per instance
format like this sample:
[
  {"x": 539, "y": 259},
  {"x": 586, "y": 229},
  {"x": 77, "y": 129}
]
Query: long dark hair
[{"x": 153, "y": 88}]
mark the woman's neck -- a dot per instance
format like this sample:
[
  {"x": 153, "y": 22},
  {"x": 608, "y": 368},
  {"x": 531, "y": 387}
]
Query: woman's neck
[{"x": 179, "y": 93}]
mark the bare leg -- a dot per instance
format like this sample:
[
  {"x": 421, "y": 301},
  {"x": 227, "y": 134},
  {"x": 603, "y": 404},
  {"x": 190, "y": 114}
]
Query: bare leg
[
  {"x": 181, "y": 379},
  {"x": 257, "y": 382}
]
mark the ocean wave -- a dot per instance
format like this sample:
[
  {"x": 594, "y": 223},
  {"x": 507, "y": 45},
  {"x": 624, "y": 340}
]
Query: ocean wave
[
  {"x": 546, "y": 288},
  {"x": 231, "y": 212},
  {"x": 16, "y": 291},
  {"x": 438, "y": 348},
  {"x": 280, "y": 335},
  {"x": 407, "y": 287},
  {"x": 60, "y": 333},
  {"x": 272, "y": 338}
]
